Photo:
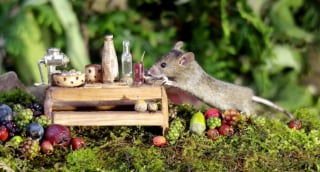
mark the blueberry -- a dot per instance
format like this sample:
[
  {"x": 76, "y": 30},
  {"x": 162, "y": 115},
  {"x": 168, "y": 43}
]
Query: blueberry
[
  {"x": 35, "y": 131},
  {"x": 5, "y": 112}
]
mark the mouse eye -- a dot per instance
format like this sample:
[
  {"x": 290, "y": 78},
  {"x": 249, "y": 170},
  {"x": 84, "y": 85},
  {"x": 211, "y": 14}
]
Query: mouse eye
[{"x": 163, "y": 64}]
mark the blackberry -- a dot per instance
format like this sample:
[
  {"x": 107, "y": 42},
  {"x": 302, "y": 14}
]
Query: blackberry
[
  {"x": 37, "y": 109},
  {"x": 12, "y": 127}
]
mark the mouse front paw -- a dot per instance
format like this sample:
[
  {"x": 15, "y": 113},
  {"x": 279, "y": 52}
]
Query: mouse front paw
[{"x": 167, "y": 82}]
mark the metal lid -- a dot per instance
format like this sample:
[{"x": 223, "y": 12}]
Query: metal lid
[{"x": 53, "y": 49}]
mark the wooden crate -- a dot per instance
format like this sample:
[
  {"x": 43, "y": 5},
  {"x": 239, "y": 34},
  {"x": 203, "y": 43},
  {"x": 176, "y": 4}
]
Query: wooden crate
[{"x": 105, "y": 105}]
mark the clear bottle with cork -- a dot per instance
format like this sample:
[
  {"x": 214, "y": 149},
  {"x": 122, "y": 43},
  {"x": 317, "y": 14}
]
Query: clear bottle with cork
[
  {"x": 126, "y": 61},
  {"x": 110, "y": 69}
]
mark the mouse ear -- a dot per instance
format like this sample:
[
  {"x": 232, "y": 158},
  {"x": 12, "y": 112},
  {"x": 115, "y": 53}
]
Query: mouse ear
[
  {"x": 186, "y": 58},
  {"x": 178, "y": 45}
]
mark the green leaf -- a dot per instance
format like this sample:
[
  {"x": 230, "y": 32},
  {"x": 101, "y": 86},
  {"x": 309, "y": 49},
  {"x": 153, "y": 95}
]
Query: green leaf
[
  {"x": 76, "y": 49},
  {"x": 283, "y": 17},
  {"x": 284, "y": 57}
]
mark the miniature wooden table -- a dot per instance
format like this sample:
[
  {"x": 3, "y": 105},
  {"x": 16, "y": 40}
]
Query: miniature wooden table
[{"x": 105, "y": 105}]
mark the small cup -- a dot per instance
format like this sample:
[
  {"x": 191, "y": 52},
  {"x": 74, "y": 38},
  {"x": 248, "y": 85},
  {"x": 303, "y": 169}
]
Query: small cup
[{"x": 93, "y": 73}]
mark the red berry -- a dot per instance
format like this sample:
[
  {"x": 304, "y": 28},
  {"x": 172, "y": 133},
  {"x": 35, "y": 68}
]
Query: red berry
[
  {"x": 46, "y": 147},
  {"x": 212, "y": 112},
  {"x": 231, "y": 112},
  {"x": 224, "y": 121},
  {"x": 232, "y": 123},
  {"x": 213, "y": 134},
  {"x": 232, "y": 116},
  {"x": 159, "y": 141},
  {"x": 236, "y": 117},
  {"x": 77, "y": 143},
  {"x": 227, "y": 118},
  {"x": 295, "y": 124},
  {"x": 226, "y": 130},
  {"x": 4, "y": 133}
]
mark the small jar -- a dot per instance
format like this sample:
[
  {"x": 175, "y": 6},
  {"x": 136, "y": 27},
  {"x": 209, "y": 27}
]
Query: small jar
[
  {"x": 93, "y": 73},
  {"x": 138, "y": 73}
]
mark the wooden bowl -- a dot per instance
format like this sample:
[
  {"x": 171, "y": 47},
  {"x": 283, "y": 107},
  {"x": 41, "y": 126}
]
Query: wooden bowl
[{"x": 69, "y": 79}]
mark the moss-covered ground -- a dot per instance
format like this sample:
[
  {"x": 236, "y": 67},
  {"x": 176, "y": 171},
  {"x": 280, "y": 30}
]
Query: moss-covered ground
[{"x": 260, "y": 143}]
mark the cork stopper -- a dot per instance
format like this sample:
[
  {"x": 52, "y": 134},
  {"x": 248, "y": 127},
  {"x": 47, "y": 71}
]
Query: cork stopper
[{"x": 109, "y": 36}]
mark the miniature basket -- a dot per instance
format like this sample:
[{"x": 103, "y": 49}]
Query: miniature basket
[{"x": 69, "y": 79}]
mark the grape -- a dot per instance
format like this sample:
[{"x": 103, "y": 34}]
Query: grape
[
  {"x": 23, "y": 117},
  {"x": 11, "y": 126},
  {"x": 43, "y": 120},
  {"x": 17, "y": 107},
  {"x": 213, "y": 122},
  {"x": 30, "y": 148},
  {"x": 176, "y": 128}
]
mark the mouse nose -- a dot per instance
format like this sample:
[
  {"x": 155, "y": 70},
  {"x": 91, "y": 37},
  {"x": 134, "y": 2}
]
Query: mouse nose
[
  {"x": 153, "y": 71},
  {"x": 150, "y": 71}
]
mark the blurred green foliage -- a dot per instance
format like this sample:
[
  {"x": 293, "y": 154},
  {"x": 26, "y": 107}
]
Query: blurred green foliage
[{"x": 263, "y": 44}]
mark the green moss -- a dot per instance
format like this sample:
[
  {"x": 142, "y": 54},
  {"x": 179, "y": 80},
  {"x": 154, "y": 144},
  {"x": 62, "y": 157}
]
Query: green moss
[
  {"x": 84, "y": 160},
  {"x": 15, "y": 96}
]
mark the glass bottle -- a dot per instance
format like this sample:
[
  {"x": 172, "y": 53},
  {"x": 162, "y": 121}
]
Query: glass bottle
[
  {"x": 110, "y": 69},
  {"x": 126, "y": 61}
]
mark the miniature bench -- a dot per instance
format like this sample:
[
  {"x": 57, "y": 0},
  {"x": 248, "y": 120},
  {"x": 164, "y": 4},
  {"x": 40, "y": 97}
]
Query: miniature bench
[{"x": 105, "y": 105}]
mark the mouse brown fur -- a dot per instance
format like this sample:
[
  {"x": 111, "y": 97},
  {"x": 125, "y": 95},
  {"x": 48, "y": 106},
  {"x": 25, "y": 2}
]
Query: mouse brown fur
[{"x": 180, "y": 69}]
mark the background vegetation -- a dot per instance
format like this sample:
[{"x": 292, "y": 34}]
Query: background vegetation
[{"x": 271, "y": 46}]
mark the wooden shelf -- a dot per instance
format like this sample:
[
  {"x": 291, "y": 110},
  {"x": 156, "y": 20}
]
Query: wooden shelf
[{"x": 105, "y": 105}]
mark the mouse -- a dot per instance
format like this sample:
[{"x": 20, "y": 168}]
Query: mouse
[{"x": 179, "y": 69}]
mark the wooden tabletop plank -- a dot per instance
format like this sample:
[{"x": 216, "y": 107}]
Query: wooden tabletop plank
[
  {"x": 59, "y": 94},
  {"x": 108, "y": 118}
]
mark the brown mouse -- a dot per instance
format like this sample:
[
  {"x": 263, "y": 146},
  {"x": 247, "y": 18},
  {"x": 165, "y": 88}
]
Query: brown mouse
[{"x": 179, "y": 69}]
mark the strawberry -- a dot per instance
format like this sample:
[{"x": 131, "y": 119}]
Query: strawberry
[
  {"x": 4, "y": 134},
  {"x": 77, "y": 143},
  {"x": 159, "y": 141}
]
